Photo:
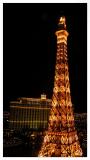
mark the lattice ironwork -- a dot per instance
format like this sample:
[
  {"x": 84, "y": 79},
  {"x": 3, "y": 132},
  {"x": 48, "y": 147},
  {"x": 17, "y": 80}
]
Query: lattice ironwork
[{"x": 61, "y": 139}]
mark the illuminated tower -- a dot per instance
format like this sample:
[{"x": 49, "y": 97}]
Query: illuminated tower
[{"x": 61, "y": 139}]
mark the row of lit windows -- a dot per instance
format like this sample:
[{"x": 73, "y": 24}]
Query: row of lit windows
[
  {"x": 29, "y": 114},
  {"x": 29, "y": 124},
  {"x": 42, "y": 103}
]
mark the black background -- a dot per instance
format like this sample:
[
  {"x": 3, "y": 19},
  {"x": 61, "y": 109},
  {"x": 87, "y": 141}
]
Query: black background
[{"x": 29, "y": 50}]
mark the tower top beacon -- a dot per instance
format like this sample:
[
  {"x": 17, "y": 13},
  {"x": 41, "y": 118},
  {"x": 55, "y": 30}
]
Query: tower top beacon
[{"x": 62, "y": 23}]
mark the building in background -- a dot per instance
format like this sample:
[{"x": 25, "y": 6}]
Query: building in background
[
  {"x": 6, "y": 116},
  {"x": 29, "y": 113}
]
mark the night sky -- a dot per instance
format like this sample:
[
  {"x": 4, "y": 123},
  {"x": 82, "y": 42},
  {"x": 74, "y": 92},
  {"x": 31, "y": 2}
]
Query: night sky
[{"x": 29, "y": 50}]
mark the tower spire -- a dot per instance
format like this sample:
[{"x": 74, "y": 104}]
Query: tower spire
[
  {"x": 61, "y": 139},
  {"x": 62, "y": 22}
]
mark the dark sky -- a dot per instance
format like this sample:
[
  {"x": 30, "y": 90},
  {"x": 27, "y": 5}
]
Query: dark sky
[{"x": 29, "y": 50}]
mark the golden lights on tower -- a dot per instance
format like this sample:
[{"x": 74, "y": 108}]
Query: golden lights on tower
[{"x": 61, "y": 139}]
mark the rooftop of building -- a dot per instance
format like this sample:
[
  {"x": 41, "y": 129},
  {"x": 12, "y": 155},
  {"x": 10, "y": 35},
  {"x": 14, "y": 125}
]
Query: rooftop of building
[{"x": 27, "y": 99}]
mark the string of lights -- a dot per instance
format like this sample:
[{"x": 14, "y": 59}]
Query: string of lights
[{"x": 61, "y": 139}]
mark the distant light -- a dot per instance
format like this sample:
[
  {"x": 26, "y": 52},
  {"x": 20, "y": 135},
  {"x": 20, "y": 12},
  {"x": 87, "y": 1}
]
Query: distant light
[
  {"x": 20, "y": 101},
  {"x": 43, "y": 96}
]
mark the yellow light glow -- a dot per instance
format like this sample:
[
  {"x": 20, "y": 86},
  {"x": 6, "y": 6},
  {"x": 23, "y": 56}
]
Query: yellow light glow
[
  {"x": 61, "y": 32},
  {"x": 28, "y": 107},
  {"x": 61, "y": 139}
]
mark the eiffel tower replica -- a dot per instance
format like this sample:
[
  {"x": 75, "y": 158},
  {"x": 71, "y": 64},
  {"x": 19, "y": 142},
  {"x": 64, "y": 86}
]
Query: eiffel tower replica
[{"x": 61, "y": 138}]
